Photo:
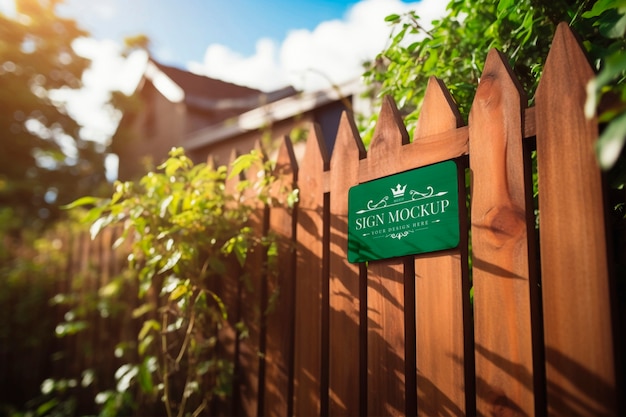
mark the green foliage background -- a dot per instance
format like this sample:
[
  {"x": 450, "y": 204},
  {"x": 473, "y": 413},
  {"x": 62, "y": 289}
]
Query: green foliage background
[{"x": 456, "y": 48}]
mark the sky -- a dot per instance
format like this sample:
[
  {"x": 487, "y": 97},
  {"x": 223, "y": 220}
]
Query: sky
[{"x": 264, "y": 44}]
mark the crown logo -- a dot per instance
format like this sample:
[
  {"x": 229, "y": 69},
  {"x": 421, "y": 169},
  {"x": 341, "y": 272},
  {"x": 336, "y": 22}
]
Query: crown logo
[{"x": 398, "y": 191}]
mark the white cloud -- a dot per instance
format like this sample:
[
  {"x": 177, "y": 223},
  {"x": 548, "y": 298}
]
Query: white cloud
[
  {"x": 225, "y": 64},
  {"x": 109, "y": 71},
  {"x": 332, "y": 53}
]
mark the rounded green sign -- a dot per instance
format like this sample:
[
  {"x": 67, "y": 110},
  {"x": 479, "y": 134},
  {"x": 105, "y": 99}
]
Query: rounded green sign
[{"x": 404, "y": 214}]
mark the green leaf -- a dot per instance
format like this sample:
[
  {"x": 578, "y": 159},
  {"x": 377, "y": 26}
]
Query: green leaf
[
  {"x": 144, "y": 344},
  {"x": 98, "y": 225},
  {"x": 243, "y": 162},
  {"x": 178, "y": 292},
  {"x": 220, "y": 304},
  {"x": 142, "y": 309},
  {"x": 392, "y": 18},
  {"x": 615, "y": 64},
  {"x": 148, "y": 325},
  {"x": 611, "y": 142},
  {"x": 83, "y": 201},
  {"x": 600, "y": 7},
  {"x": 44, "y": 408},
  {"x": 171, "y": 262},
  {"x": 164, "y": 205},
  {"x": 145, "y": 378},
  {"x": 504, "y": 5}
]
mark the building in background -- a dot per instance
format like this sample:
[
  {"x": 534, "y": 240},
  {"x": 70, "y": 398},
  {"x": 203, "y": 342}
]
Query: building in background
[{"x": 214, "y": 119}]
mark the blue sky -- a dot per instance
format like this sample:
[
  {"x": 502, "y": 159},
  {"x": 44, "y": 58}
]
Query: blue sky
[
  {"x": 266, "y": 44},
  {"x": 181, "y": 30},
  {"x": 263, "y": 44}
]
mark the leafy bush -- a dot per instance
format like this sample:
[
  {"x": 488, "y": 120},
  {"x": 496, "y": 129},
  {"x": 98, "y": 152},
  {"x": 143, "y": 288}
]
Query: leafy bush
[{"x": 183, "y": 226}]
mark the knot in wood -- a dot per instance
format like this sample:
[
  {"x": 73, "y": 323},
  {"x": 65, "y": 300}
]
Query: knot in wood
[
  {"x": 488, "y": 95},
  {"x": 505, "y": 223}
]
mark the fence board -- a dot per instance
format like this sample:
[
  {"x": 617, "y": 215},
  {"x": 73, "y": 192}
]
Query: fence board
[
  {"x": 580, "y": 366},
  {"x": 504, "y": 362},
  {"x": 252, "y": 295},
  {"x": 386, "y": 359},
  {"x": 441, "y": 289},
  {"x": 396, "y": 337},
  {"x": 281, "y": 282},
  {"x": 229, "y": 289},
  {"x": 309, "y": 272},
  {"x": 344, "y": 281}
]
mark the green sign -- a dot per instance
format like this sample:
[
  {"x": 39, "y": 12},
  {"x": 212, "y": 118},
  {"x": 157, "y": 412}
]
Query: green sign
[{"x": 404, "y": 214}]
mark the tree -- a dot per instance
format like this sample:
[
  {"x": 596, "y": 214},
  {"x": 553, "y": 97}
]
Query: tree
[
  {"x": 43, "y": 160},
  {"x": 456, "y": 47}
]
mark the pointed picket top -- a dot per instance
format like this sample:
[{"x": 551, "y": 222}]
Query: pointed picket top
[
  {"x": 348, "y": 143},
  {"x": 439, "y": 112},
  {"x": 253, "y": 174},
  {"x": 390, "y": 133},
  {"x": 497, "y": 68},
  {"x": 315, "y": 152},
  {"x": 210, "y": 162},
  {"x": 567, "y": 67},
  {"x": 285, "y": 170},
  {"x": 385, "y": 150},
  {"x": 286, "y": 163},
  {"x": 232, "y": 181}
]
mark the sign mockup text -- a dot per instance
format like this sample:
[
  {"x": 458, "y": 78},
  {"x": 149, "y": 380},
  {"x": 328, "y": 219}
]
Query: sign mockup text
[{"x": 404, "y": 214}]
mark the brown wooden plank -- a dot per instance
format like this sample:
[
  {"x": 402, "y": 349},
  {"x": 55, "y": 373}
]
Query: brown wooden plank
[
  {"x": 228, "y": 288},
  {"x": 386, "y": 360},
  {"x": 441, "y": 288},
  {"x": 252, "y": 296},
  {"x": 344, "y": 280},
  {"x": 580, "y": 368},
  {"x": 281, "y": 287},
  {"x": 504, "y": 362},
  {"x": 437, "y": 147},
  {"x": 309, "y": 273}
]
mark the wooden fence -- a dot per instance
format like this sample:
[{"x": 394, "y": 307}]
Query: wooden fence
[
  {"x": 403, "y": 336},
  {"x": 493, "y": 332}
]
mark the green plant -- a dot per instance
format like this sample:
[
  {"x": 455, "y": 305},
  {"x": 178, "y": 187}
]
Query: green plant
[
  {"x": 183, "y": 225},
  {"x": 456, "y": 47}
]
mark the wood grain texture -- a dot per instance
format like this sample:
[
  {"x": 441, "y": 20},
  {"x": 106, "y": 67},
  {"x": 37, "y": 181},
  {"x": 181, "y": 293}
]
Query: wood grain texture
[
  {"x": 344, "y": 279},
  {"x": 309, "y": 273},
  {"x": 229, "y": 290},
  {"x": 503, "y": 342},
  {"x": 580, "y": 368},
  {"x": 386, "y": 385},
  {"x": 441, "y": 288},
  {"x": 253, "y": 294},
  {"x": 281, "y": 283}
]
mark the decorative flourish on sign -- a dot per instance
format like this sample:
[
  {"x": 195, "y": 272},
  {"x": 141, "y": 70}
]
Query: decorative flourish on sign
[
  {"x": 398, "y": 193},
  {"x": 416, "y": 195},
  {"x": 399, "y": 235},
  {"x": 382, "y": 203}
]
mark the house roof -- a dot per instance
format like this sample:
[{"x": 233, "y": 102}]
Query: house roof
[
  {"x": 269, "y": 113},
  {"x": 205, "y": 94},
  {"x": 202, "y": 86}
]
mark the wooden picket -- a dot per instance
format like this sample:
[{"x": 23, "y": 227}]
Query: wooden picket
[
  {"x": 401, "y": 336},
  {"x": 580, "y": 364}
]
